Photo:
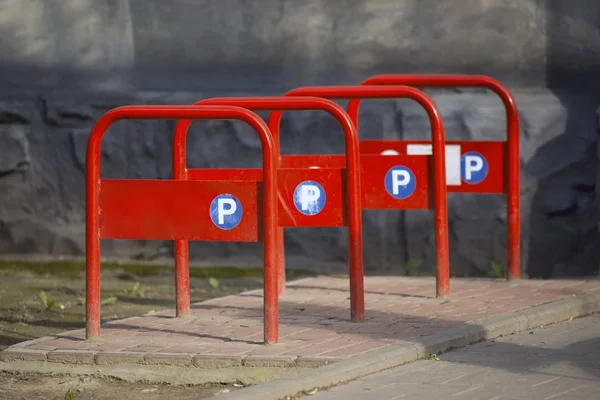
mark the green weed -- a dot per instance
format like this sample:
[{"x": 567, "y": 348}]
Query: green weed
[
  {"x": 496, "y": 269},
  {"x": 412, "y": 267},
  {"x": 48, "y": 302},
  {"x": 213, "y": 282},
  {"x": 136, "y": 290},
  {"x": 105, "y": 302},
  {"x": 127, "y": 271},
  {"x": 108, "y": 301}
]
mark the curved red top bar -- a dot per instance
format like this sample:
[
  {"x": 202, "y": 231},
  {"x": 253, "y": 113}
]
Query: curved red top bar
[
  {"x": 512, "y": 122},
  {"x": 269, "y": 103},
  {"x": 355, "y": 93},
  {"x": 433, "y": 80},
  {"x": 282, "y": 103},
  {"x": 353, "y": 171},
  {"x": 174, "y": 112}
]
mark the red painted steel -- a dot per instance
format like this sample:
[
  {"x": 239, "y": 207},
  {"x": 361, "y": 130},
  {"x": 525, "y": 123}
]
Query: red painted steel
[
  {"x": 353, "y": 188},
  {"x": 439, "y": 163},
  {"x": 511, "y": 156},
  {"x": 331, "y": 179},
  {"x": 374, "y": 169},
  {"x": 223, "y": 174},
  {"x": 148, "y": 202},
  {"x": 494, "y": 152},
  {"x": 313, "y": 160},
  {"x": 149, "y": 209}
]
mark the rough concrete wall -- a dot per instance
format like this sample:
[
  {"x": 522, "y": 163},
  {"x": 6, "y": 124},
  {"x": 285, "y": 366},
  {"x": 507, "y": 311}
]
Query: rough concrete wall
[
  {"x": 153, "y": 44},
  {"x": 64, "y": 63}
]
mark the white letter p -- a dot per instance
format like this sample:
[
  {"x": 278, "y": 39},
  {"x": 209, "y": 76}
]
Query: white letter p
[
  {"x": 399, "y": 178},
  {"x": 222, "y": 211}
]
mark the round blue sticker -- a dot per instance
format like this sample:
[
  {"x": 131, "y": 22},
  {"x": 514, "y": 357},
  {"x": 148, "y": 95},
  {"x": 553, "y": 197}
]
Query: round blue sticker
[
  {"x": 473, "y": 167},
  {"x": 226, "y": 211},
  {"x": 400, "y": 182},
  {"x": 310, "y": 198}
]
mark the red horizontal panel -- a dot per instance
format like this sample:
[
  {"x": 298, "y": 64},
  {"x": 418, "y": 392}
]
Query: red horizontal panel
[
  {"x": 494, "y": 153},
  {"x": 225, "y": 174},
  {"x": 170, "y": 209},
  {"x": 322, "y": 194},
  {"x": 316, "y": 160},
  {"x": 330, "y": 179},
  {"x": 496, "y": 180},
  {"x": 377, "y": 194}
]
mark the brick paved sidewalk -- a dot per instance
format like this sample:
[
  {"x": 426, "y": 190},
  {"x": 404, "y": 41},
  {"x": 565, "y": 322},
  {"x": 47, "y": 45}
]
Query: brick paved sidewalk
[{"x": 314, "y": 324}]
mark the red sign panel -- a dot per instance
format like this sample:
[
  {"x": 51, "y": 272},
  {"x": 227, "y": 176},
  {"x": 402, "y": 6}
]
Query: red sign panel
[
  {"x": 329, "y": 183},
  {"x": 374, "y": 168},
  {"x": 312, "y": 197},
  {"x": 396, "y": 182},
  {"x": 151, "y": 209},
  {"x": 480, "y": 165},
  {"x": 317, "y": 160}
]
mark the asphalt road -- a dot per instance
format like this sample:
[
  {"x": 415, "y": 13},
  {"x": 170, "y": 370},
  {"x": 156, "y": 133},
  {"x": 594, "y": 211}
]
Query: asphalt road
[{"x": 555, "y": 362}]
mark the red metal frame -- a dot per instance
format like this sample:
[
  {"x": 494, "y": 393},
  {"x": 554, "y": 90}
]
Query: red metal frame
[
  {"x": 510, "y": 153},
  {"x": 170, "y": 209},
  {"x": 374, "y": 166},
  {"x": 352, "y": 180}
]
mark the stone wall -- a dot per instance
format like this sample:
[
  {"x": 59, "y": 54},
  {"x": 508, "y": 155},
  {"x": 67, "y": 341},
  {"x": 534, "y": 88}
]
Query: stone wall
[
  {"x": 65, "y": 63},
  {"x": 258, "y": 45}
]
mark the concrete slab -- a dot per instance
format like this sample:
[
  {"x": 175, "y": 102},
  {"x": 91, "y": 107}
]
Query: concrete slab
[{"x": 403, "y": 316}]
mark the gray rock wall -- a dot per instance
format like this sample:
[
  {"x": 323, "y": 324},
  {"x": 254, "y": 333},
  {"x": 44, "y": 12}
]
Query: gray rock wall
[
  {"x": 65, "y": 63},
  {"x": 263, "y": 45}
]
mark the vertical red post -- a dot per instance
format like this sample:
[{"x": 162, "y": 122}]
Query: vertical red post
[
  {"x": 356, "y": 93},
  {"x": 92, "y": 227},
  {"x": 93, "y": 185},
  {"x": 355, "y": 245},
  {"x": 513, "y": 162},
  {"x": 182, "y": 253},
  {"x": 280, "y": 234}
]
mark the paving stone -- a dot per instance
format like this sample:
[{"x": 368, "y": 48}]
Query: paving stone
[
  {"x": 210, "y": 361},
  {"x": 18, "y": 354},
  {"x": 269, "y": 361},
  {"x": 315, "y": 361},
  {"x": 80, "y": 345},
  {"x": 113, "y": 346},
  {"x": 71, "y": 356},
  {"x": 555, "y": 362},
  {"x": 118, "y": 357},
  {"x": 186, "y": 348},
  {"x": 240, "y": 350},
  {"x": 42, "y": 346},
  {"x": 178, "y": 359},
  {"x": 314, "y": 320},
  {"x": 146, "y": 348},
  {"x": 355, "y": 350}
]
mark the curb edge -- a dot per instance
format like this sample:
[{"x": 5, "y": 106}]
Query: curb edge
[{"x": 574, "y": 306}]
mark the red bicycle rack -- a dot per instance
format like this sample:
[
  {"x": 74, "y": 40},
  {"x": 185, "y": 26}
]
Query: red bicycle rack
[
  {"x": 254, "y": 204},
  {"x": 336, "y": 186},
  {"x": 376, "y": 170},
  {"x": 181, "y": 209},
  {"x": 482, "y": 166}
]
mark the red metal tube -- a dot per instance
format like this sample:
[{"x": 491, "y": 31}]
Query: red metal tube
[
  {"x": 182, "y": 252},
  {"x": 513, "y": 162},
  {"x": 353, "y": 169},
  {"x": 93, "y": 234},
  {"x": 355, "y": 93}
]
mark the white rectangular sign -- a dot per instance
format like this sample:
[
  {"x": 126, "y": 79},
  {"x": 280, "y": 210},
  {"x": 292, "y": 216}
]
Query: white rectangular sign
[{"x": 452, "y": 160}]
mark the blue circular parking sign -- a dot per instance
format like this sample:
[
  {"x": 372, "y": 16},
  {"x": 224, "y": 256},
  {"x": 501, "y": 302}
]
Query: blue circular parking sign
[
  {"x": 226, "y": 211},
  {"x": 473, "y": 167},
  {"x": 310, "y": 198},
  {"x": 400, "y": 182}
]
